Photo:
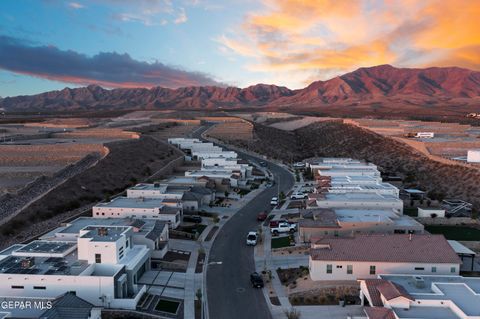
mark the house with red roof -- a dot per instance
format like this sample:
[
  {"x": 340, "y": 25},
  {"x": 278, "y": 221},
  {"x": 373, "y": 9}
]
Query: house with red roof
[{"x": 366, "y": 256}]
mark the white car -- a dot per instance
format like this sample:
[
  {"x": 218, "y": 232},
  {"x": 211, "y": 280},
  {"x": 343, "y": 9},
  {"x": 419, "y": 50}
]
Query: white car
[
  {"x": 274, "y": 201},
  {"x": 298, "y": 196},
  {"x": 299, "y": 165},
  {"x": 252, "y": 238}
]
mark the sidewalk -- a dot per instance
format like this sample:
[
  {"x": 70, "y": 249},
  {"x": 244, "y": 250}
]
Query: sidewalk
[{"x": 190, "y": 289}]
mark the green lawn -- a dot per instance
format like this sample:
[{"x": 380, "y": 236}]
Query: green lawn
[
  {"x": 280, "y": 242},
  {"x": 456, "y": 232},
  {"x": 167, "y": 306}
]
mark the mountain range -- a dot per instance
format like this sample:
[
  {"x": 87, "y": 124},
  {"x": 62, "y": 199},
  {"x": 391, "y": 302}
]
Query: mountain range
[{"x": 375, "y": 86}]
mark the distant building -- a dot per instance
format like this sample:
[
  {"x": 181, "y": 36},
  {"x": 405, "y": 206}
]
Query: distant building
[
  {"x": 366, "y": 256},
  {"x": 473, "y": 156}
]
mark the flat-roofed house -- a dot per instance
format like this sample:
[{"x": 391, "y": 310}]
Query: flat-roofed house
[
  {"x": 355, "y": 201},
  {"x": 366, "y": 256},
  {"x": 140, "y": 208}
]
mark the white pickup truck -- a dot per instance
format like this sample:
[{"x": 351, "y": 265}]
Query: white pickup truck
[{"x": 283, "y": 228}]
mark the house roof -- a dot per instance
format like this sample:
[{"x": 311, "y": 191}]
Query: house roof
[
  {"x": 375, "y": 299},
  {"x": 68, "y": 306},
  {"x": 395, "y": 248},
  {"x": 379, "y": 313},
  {"x": 156, "y": 230},
  {"x": 390, "y": 290},
  {"x": 319, "y": 218}
]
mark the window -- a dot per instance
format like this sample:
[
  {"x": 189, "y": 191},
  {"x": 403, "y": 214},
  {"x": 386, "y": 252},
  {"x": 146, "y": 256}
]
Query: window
[
  {"x": 434, "y": 269},
  {"x": 17, "y": 287},
  {"x": 40, "y": 287},
  {"x": 372, "y": 270},
  {"x": 329, "y": 269},
  {"x": 453, "y": 270},
  {"x": 419, "y": 268},
  {"x": 98, "y": 258},
  {"x": 349, "y": 269}
]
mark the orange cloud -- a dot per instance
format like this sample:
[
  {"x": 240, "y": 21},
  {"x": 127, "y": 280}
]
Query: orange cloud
[{"x": 292, "y": 36}]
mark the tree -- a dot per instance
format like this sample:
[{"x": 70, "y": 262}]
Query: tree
[
  {"x": 282, "y": 195},
  {"x": 226, "y": 194}
]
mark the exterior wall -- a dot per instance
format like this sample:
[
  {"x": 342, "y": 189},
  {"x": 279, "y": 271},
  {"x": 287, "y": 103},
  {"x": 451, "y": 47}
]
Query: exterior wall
[
  {"x": 190, "y": 206},
  {"x": 429, "y": 212},
  {"x": 473, "y": 156},
  {"x": 361, "y": 270},
  {"x": 89, "y": 288},
  {"x": 121, "y": 212},
  {"x": 149, "y": 193}
]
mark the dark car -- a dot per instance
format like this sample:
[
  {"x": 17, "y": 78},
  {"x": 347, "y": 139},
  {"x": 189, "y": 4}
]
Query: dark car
[
  {"x": 256, "y": 280},
  {"x": 262, "y": 216},
  {"x": 192, "y": 219},
  {"x": 264, "y": 164}
]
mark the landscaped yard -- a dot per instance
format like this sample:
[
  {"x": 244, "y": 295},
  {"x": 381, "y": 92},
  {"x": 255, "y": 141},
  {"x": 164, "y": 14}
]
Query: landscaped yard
[
  {"x": 280, "y": 242},
  {"x": 169, "y": 306},
  {"x": 456, "y": 232}
]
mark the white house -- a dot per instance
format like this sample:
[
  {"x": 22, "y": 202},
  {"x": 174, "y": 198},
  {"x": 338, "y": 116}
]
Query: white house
[
  {"x": 190, "y": 197},
  {"x": 148, "y": 232},
  {"x": 378, "y": 188},
  {"x": 420, "y": 297},
  {"x": 473, "y": 156},
  {"x": 141, "y": 208},
  {"x": 366, "y": 256},
  {"x": 102, "y": 267},
  {"x": 355, "y": 201},
  {"x": 342, "y": 167}
]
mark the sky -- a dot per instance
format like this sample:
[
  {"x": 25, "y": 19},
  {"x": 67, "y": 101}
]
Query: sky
[{"x": 51, "y": 44}]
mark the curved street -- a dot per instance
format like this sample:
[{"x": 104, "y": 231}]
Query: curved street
[{"x": 229, "y": 292}]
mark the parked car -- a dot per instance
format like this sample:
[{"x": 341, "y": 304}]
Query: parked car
[
  {"x": 274, "y": 201},
  {"x": 270, "y": 183},
  {"x": 262, "y": 216},
  {"x": 274, "y": 223},
  {"x": 256, "y": 280},
  {"x": 298, "y": 196},
  {"x": 283, "y": 227},
  {"x": 192, "y": 219},
  {"x": 264, "y": 164},
  {"x": 252, "y": 238},
  {"x": 299, "y": 165}
]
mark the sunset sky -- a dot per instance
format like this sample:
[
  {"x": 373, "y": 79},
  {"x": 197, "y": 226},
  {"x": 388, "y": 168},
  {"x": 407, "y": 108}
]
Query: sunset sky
[{"x": 49, "y": 44}]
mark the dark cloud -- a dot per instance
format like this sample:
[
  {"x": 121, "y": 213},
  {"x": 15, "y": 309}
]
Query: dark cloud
[{"x": 109, "y": 69}]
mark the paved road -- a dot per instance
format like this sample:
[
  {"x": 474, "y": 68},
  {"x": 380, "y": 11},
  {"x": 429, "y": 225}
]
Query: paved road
[{"x": 230, "y": 294}]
